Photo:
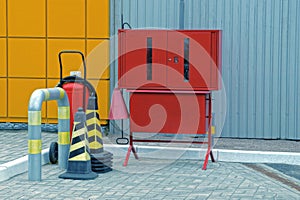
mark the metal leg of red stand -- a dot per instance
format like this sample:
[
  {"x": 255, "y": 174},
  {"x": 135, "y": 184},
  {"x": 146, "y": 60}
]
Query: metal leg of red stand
[
  {"x": 210, "y": 147},
  {"x": 127, "y": 156},
  {"x": 130, "y": 148},
  {"x": 206, "y": 159},
  {"x": 134, "y": 153},
  {"x": 209, "y": 151},
  {"x": 131, "y": 144},
  {"x": 212, "y": 156}
]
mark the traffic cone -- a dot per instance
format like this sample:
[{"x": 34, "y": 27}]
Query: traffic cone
[
  {"x": 101, "y": 160},
  {"x": 79, "y": 162}
]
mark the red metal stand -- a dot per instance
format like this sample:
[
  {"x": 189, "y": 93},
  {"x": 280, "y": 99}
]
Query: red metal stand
[
  {"x": 170, "y": 75},
  {"x": 208, "y": 142}
]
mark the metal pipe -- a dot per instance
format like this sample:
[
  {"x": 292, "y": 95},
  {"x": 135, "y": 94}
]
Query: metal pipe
[
  {"x": 114, "y": 6},
  {"x": 34, "y": 129},
  {"x": 181, "y": 14}
]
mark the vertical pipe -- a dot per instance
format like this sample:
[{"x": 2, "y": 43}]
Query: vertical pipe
[
  {"x": 114, "y": 16},
  {"x": 111, "y": 54},
  {"x": 34, "y": 129},
  {"x": 63, "y": 135},
  {"x": 34, "y": 145},
  {"x": 181, "y": 14}
]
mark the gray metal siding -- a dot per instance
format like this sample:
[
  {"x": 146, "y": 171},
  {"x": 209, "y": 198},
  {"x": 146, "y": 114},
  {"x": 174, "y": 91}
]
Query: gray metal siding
[{"x": 260, "y": 56}]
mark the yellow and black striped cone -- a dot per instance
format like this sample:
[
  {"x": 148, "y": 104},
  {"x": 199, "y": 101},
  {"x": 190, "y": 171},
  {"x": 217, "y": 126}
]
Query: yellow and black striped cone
[
  {"x": 79, "y": 162},
  {"x": 101, "y": 160}
]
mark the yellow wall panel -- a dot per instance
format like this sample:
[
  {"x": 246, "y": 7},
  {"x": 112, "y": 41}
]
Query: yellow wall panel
[
  {"x": 102, "y": 89},
  {"x": 3, "y": 101},
  {"x": 33, "y": 63},
  {"x": 98, "y": 59},
  {"x": 66, "y": 18},
  {"x": 98, "y": 19},
  {"x": 27, "y": 58},
  {"x": 2, "y": 18},
  {"x": 27, "y": 18},
  {"x": 19, "y": 92},
  {"x": 71, "y": 62},
  {"x": 52, "y": 105},
  {"x": 2, "y": 57}
]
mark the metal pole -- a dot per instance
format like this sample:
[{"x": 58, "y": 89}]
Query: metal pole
[
  {"x": 34, "y": 129},
  {"x": 113, "y": 48}
]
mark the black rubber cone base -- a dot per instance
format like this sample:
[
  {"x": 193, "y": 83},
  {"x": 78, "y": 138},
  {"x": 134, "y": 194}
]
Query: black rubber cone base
[
  {"x": 79, "y": 170},
  {"x": 102, "y": 162},
  {"x": 98, "y": 161},
  {"x": 89, "y": 176},
  {"x": 101, "y": 156},
  {"x": 102, "y": 170},
  {"x": 101, "y": 165}
]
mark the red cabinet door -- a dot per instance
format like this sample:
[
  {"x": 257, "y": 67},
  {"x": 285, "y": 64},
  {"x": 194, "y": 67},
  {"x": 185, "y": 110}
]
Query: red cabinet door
[
  {"x": 142, "y": 58},
  {"x": 189, "y": 60},
  {"x": 174, "y": 113}
]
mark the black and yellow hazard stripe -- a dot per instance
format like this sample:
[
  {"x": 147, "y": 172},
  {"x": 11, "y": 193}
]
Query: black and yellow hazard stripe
[
  {"x": 79, "y": 162},
  {"x": 101, "y": 161},
  {"x": 94, "y": 131},
  {"x": 79, "y": 150}
]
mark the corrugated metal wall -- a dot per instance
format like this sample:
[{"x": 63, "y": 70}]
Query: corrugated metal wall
[{"x": 261, "y": 57}]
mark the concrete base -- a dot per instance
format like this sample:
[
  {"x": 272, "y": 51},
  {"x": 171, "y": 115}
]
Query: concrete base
[
  {"x": 19, "y": 166},
  {"x": 222, "y": 155}
]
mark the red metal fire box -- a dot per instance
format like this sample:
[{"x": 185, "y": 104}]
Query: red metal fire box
[
  {"x": 179, "y": 60},
  {"x": 170, "y": 75}
]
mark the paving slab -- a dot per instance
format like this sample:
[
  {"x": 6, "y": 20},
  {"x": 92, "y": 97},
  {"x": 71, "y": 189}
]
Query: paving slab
[
  {"x": 148, "y": 178},
  {"x": 181, "y": 179},
  {"x": 14, "y": 143}
]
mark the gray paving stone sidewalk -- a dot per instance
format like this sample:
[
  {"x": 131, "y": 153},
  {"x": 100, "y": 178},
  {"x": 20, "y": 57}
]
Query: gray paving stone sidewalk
[
  {"x": 181, "y": 179},
  {"x": 143, "y": 179},
  {"x": 13, "y": 143}
]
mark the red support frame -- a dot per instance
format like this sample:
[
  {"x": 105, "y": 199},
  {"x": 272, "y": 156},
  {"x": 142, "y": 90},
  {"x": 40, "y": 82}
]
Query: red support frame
[{"x": 208, "y": 154}]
